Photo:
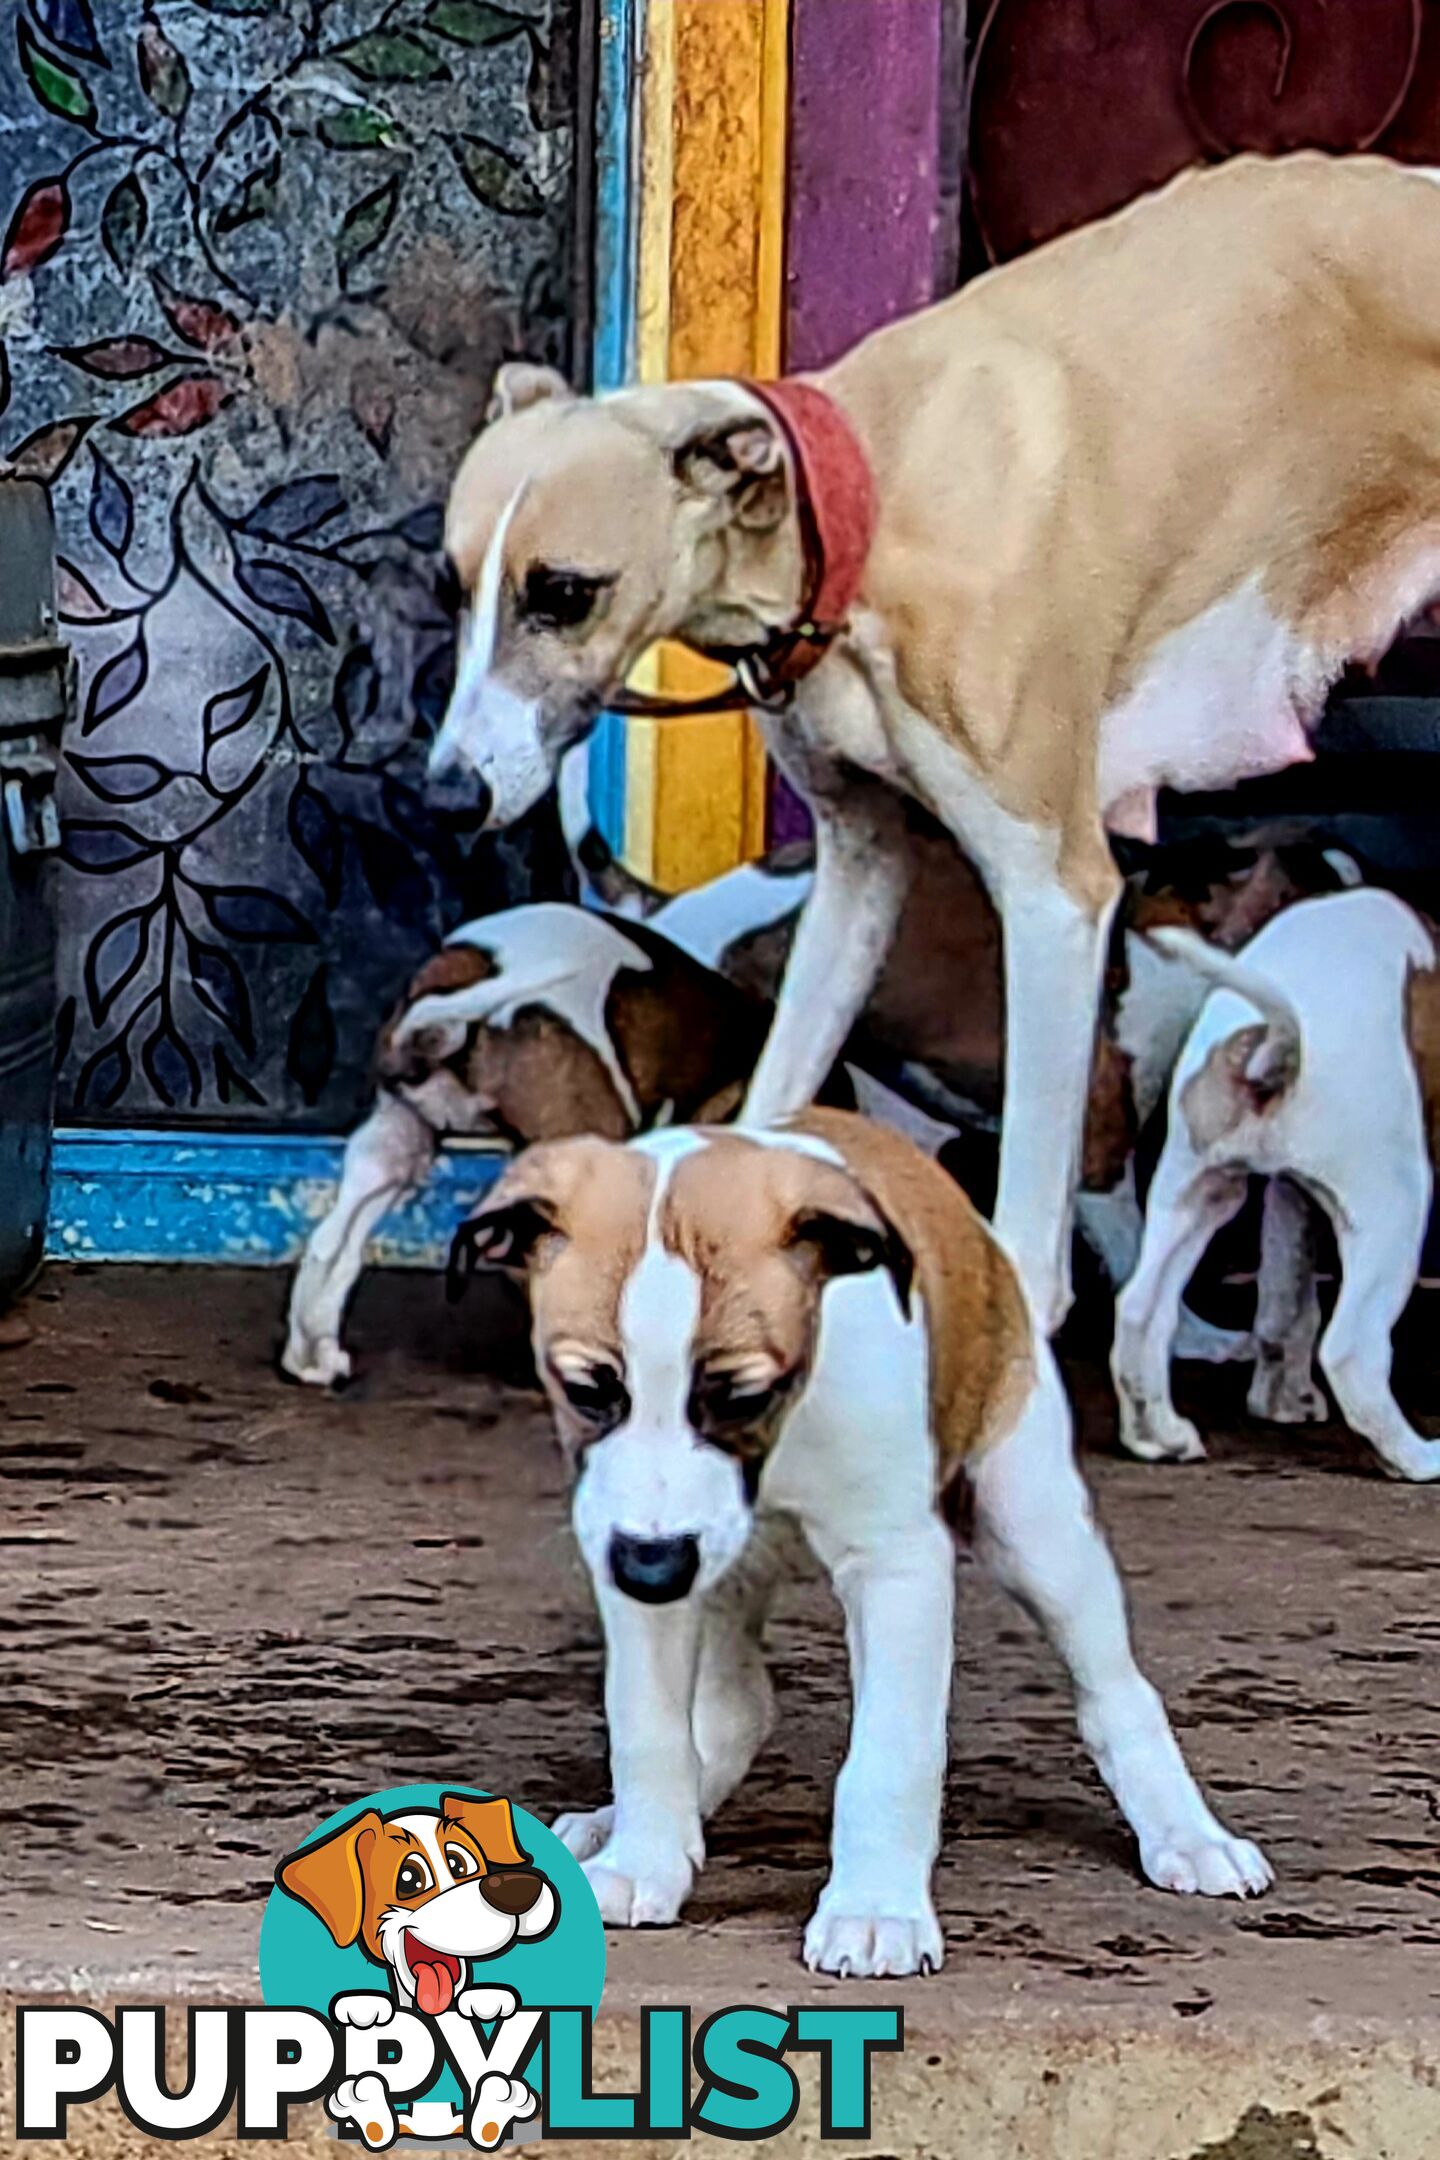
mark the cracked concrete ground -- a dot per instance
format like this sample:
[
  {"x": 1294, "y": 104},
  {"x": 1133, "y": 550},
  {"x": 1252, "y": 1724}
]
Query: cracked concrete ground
[{"x": 228, "y": 1606}]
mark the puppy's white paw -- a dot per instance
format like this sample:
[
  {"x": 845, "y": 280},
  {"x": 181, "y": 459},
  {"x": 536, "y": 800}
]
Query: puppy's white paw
[
  {"x": 1278, "y": 1398},
  {"x": 583, "y": 1834},
  {"x": 484, "y": 2004},
  {"x": 365, "y": 2101},
  {"x": 873, "y": 1946},
  {"x": 499, "y": 2101},
  {"x": 1418, "y": 1463},
  {"x": 363, "y": 2011},
  {"x": 635, "y": 1889},
  {"x": 1207, "y": 1863},
  {"x": 1161, "y": 1436},
  {"x": 317, "y": 1364}
]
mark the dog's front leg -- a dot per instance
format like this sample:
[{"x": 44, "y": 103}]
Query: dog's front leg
[
  {"x": 642, "y": 1874},
  {"x": 875, "y": 1917},
  {"x": 862, "y": 873}
]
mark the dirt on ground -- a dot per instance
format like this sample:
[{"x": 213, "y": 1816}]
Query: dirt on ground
[{"x": 229, "y": 1606}]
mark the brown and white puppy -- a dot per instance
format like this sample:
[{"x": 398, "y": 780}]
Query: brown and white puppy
[
  {"x": 1128, "y": 529},
  {"x": 746, "y": 1332}
]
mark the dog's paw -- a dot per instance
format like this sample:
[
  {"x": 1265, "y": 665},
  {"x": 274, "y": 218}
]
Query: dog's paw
[
  {"x": 1161, "y": 1436},
  {"x": 362, "y": 2011},
  {"x": 1277, "y": 1398},
  {"x": 499, "y": 2101},
  {"x": 1207, "y": 1863},
  {"x": 585, "y": 1835},
  {"x": 365, "y": 2101},
  {"x": 316, "y": 1364},
  {"x": 485, "y": 2004},
  {"x": 639, "y": 1889},
  {"x": 873, "y": 1946}
]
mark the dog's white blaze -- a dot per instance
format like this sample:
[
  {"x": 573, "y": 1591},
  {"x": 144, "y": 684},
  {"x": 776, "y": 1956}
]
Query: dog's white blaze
[
  {"x": 659, "y": 1313},
  {"x": 707, "y": 921},
  {"x": 487, "y": 726}
]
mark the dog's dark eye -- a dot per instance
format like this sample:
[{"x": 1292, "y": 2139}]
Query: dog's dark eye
[
  {"x": 460, "y": 1862},
  {"x": 559, "y": 599},
  {"x": 721, "y": 1402},
  {"x": 598, "y": 1396},
  {"x": 413, "y": 1877}
]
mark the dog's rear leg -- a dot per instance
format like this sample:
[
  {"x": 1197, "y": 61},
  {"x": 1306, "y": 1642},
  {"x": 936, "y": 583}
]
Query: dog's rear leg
[
  {"x": 862, "y": 873},
  {"x": 1380, "y": 1243},
  {"x": 1287, "y": 1312},
  {"x": 385, "y": 1158},
  {"x": 1035, "y": 1532},
  {"x": 1186, "y": 1208}
]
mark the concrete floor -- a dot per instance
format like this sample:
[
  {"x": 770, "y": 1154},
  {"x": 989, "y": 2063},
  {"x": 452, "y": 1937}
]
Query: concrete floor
[{"x": 227, "y": 1606}]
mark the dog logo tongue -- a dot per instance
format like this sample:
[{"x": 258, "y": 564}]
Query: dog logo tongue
[{"x": 436, "y": 1975}]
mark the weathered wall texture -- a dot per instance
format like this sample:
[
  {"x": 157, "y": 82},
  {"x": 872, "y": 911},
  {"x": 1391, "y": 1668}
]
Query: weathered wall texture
[{"x": 259, "y": 259}]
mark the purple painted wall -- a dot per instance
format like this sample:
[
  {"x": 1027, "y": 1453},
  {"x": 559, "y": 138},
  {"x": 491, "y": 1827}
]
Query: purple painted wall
[{"x": 867, "y": 120}]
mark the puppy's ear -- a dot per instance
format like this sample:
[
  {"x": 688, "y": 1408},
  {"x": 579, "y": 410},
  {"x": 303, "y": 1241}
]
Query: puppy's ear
[
  {"x": 492, "y": 1825},
  {"x": 520, "y": 384},
  {"x": 496, "y": 1236},
  {"x": 849, "y": 1234},
  {"x": 330, "y": 1877},
  {"x": 741, "y": 463}
]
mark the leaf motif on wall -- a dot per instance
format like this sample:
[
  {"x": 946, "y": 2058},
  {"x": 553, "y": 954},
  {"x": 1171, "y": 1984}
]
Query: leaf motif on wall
[
  {"x": 70, "y": 24},
  {"x": 104, "y": 1077},
  {"x": 164, "y": 77},
  {"x": 117, "y": 359},
  {"x": 117, "y": 953},
  {"x": 310, "y": 1053},
  {"x": 76, "y": 599},
  {"x": 45, "y": 454},
  {"x": 423, "y": 528},
  {"x": 100, "y": 846},
  {"x": 57, "y": 87},
  {"x": 122, "y": 779},
  {"x": 230, "y": 1084},
  {"x": 295, "y": 508},
  {"x": 64, "y": 1030},
  {"x": 358, "y": 127},
  {"x": 37, "y": 229},
  {"x": 179, "y": 409},
  {"x": 124, "y": 223},
  {"x": 112, "y": 507},
  {"x": 473, "y": 22},
  {"x": 201, "y": 323},
  {"x": 357, "y": 691},
  {"x": 114, "y": 685},
  {"x": 282, "y": 591},
  {"x": 170, "y": 1067},
  {"x": 220, "y": 988},
  {"x": 230, "y": 710},
  {"x": 254, "y": 916},
  {"x": 497, "y": 179},
  {"x": 366, "y": 223},
  {"x": 398, "y": 884},
  {"x": 317, "y": 837},
  {"x": 253, "y": 198},
  {"x": 393, "y": 56},
  {"x": 548, "y": 91}
]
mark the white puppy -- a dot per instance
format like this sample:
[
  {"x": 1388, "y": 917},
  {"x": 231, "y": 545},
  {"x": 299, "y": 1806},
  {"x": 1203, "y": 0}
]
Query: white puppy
[{"x": 1314, "y": 1061}]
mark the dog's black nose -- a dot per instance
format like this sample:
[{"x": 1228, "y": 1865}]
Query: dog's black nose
[
  {"x": 514, "y": 1892},
  {"x": 460, "y": 797},
  {"x": 654, "y": 1570}
]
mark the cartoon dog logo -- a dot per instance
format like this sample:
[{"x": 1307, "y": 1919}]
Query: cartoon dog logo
[{"x": 426, "y": 1893}]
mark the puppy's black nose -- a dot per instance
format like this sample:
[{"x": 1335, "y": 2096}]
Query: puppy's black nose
[
  {"x": 460, "y": 797},
  {"x": 514, "y": 1892},
  {"x": 654, "y": 1570}
]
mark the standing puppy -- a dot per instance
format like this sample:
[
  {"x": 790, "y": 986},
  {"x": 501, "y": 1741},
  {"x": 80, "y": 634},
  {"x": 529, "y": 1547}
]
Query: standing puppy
[
  {"x": 744, "y": 1331},
  {"x": 1083, "y": 531}
]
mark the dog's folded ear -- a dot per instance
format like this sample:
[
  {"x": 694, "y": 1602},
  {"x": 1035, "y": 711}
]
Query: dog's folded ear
[
  {"x": 330, "y": 1877},
  {"x": 845, "y": 1232},
  {"x": 503, "y": 1237},
  {"x": 522, "y": 383},
  {"x": 742, "y": 463},
  {"x": 492, "y": 1825}
]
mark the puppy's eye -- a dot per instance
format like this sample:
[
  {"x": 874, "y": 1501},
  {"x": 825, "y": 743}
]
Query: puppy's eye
[
  {"x": 414, "y": 1876},
  {"x": 597, "y": 1395},
  {"x": 460, "y": 1862},
  {"x": 723, "y": 1401},
  {"x": 559, "y": 599}
]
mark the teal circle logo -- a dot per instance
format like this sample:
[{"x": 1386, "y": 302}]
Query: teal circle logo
[{"x": 449, "y": 1904}]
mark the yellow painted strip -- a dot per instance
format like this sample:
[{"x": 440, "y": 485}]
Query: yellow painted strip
[{"x": 711, "y": 302}]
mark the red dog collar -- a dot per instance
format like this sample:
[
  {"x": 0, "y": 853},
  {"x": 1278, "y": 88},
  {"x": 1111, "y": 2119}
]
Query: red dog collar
[{"x": 836, "y": 506}]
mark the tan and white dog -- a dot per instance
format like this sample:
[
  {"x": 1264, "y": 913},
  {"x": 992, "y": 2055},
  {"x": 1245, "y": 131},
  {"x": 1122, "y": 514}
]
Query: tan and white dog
[
  {"x": 743, "y": 1332},
  {"x": 1110, "y": 519},
  {"x": 1315, "y": 1062}
]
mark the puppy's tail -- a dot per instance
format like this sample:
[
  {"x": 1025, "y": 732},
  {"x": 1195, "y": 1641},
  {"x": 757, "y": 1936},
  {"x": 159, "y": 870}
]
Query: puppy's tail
[{"x": 1274, "y": 1061}]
